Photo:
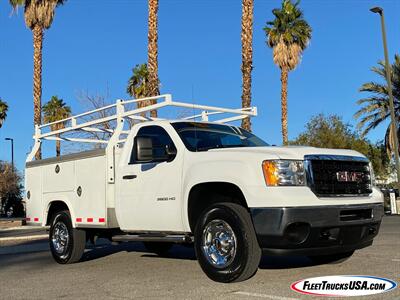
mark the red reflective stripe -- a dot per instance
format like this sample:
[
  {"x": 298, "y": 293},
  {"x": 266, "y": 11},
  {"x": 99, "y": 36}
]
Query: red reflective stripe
[
  {"x": 28, "y": 219},
  {"x": 78, "y": 219},
  {"x": 36, "y": 219},
  {"x": 90, "y": 220},
  {"x": 102, "y": 220}
]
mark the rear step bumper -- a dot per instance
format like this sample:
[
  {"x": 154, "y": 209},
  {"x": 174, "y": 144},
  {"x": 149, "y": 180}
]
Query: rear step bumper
[{"x": 173, "y": 238}]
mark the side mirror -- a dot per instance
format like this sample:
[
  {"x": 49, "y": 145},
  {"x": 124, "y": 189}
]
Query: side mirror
[
  {"x": 170, "y": 151},
  {"x": 144, "y": 148}
]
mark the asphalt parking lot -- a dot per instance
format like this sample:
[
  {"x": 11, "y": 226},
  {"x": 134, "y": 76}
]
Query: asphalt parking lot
[{"x": 127, "y": 271}]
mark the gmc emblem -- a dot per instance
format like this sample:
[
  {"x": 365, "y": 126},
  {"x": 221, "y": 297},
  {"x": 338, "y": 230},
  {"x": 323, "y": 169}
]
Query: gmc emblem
[{"x": 347, "y": 176}]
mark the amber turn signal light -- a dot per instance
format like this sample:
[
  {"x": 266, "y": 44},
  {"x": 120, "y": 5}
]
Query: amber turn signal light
[{"x": 271, "y": 174}]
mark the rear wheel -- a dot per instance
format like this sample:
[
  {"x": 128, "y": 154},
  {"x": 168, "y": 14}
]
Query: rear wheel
[
  {"x": 67, "y": 244},
  {"x": 332, "y": 258},
  {"x": 225, "y": 243},
  {"x": 159, "y": 248}
]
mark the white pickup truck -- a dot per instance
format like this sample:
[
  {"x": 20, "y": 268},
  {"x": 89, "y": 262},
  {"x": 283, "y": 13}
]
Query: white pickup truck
[{"x": 208, "y": 183}]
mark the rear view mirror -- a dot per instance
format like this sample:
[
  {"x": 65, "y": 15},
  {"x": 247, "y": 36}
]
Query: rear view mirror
[{"x": 144, "y": 148}]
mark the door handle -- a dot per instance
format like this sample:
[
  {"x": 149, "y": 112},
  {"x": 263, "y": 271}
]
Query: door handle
[{"x": 127, "y": 177}]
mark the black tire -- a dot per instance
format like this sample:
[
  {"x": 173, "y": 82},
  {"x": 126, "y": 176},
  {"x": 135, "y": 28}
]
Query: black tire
[
  {"x": 239, "y": 266},
  {"x": 74, "y": 246},
  {"x": 332, "y": 258},
  {"x": 159, "y": 248}
]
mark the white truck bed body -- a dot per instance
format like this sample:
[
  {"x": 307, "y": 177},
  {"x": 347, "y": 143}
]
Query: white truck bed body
[{"x": 85, "y": 172}]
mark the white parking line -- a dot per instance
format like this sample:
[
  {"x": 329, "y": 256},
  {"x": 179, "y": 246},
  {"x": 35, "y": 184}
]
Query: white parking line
[
  {"x": 273, "y": 297},
  {"x": 396, "y": 259}
]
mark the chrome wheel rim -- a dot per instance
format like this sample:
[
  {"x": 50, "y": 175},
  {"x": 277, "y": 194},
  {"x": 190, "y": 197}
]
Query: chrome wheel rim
[
  {"x": 219, "y": 243},
  {"x": 60, "y": 238}
]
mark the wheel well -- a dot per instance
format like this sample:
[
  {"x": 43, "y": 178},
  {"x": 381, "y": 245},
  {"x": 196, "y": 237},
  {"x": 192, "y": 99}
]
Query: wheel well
[
  {"x": 204, "y": 195},
  {"x": 55, "y": 207}
]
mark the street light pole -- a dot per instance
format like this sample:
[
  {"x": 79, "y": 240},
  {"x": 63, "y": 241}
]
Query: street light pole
[
  {"x": 395, "y": 140},
  {"x": 12, "y": 151}
]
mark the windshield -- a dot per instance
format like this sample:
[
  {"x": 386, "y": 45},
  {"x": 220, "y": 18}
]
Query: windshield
[{"x": 205, "y": 136}]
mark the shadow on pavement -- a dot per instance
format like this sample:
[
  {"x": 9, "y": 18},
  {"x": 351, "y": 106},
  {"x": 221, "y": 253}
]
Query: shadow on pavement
[
  {"x": 29, "y": 261},
  {"x": 188, "y": 253},
  {"x": 21, "y": 232},
  {"x": 106, "y": 249},
  {"x": 285, "y": 262}
]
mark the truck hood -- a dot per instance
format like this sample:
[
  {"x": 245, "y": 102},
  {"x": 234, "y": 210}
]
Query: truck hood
[{"x": 289, "y": 152}]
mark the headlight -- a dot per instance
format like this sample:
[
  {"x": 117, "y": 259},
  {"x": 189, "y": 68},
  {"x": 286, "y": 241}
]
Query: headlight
[{"x": 284, "y": 172}]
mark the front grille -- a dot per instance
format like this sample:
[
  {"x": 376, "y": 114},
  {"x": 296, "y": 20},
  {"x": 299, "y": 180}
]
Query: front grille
[{"x": 329, "y": 177}]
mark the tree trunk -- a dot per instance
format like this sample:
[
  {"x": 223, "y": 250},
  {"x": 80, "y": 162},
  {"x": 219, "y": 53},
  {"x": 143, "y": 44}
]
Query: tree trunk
[
  {"x": 152, "y": 52},
  {"x": 284, "y": 81},
  {"x": 247, "y": 57},
  {"x": 58, "y": 146},
  {"x": 37, "y": 78}
]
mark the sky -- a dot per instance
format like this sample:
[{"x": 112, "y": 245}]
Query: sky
[{"x": 93, "y": 45}]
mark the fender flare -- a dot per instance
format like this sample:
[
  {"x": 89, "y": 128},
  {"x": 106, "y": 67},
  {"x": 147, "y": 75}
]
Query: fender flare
[
  {"x": 185, "y": 208},
  {"x": 63, "y": 201}
]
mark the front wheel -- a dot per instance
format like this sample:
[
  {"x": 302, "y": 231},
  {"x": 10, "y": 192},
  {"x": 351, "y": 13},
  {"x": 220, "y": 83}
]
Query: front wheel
[
  {"x": 67, "y": 244},
  {"x": 225, "y": 243}
]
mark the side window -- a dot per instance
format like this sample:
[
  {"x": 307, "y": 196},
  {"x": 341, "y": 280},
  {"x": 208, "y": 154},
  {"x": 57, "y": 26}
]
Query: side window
[{"x": 160, "y": 138}]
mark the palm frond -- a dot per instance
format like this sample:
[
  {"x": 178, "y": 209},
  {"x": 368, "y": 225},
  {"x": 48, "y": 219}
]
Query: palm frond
[
  {"x": 54, "y": 110},
  {"x": 372, "y": 107},
  {"x": 38, "y": 12},
  {"x": 373, "y": 87},
  {"x": 3, "y": 111},
  {"x": 371, "y": 122},
  {"x": 288, "y": 34},
  {"x": 376, "y": 108},
  {"x": 16, "y": 3},
  {"x": 138, "y": 83}
]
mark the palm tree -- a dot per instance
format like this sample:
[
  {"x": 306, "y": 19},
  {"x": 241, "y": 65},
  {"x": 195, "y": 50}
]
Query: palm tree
[
  {"x": 138, "y": 85},
  {"x": 152, "y": 52},
  {"x": 288, "y": 34},
  {"x": 39, "y": 15},
  {"x": 56, "y": 110},
  {"x": 247, "y": 56},
  {"x": 376, "y": 108},
  {"x": 3, "y": 111}
]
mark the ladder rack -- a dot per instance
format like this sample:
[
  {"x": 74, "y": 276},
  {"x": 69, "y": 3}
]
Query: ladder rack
[{"x": 79, "y": 123}]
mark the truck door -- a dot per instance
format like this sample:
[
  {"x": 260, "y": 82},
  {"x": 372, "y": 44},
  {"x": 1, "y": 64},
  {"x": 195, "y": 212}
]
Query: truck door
[{"x": 149, "y": 194}]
